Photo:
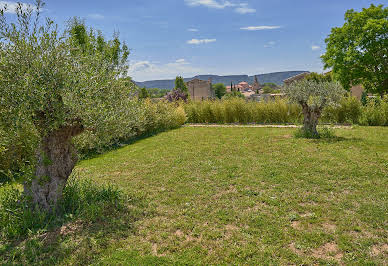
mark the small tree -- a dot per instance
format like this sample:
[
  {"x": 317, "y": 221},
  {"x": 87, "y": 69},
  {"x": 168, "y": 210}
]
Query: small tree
[
  {"x": 219, "y": 89},
  {"x": 181, "y": 85},
  {"x": 64, "y": 84},
  {"x": 313, "y": 97},
  {"x": 143, "y": 94}
]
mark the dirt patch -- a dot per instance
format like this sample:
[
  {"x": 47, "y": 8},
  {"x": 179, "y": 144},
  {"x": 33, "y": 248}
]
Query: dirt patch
[
  {"x": 328, "y": 251},
  {"x": 296, "y": 225},
  {"x": 231, "y": 227},
  {"x": 377, "y": 250},
  {"x": 329, "y": 227},
  {"x": 229, "y": 190},
  {"x": 179, "y": 233},
  {"x": 70, "y": 228},
  {"x": 308, "y": 204},
  {"x": 294, "y": 249}
]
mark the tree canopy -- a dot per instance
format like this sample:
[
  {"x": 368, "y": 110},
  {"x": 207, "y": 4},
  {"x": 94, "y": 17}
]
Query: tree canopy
[
  {"x": 358, "y": 51},
  {"x": 64, "y": 83},
  {"x": 219, "y": 89},
  {"x": 180, "y": 84}
]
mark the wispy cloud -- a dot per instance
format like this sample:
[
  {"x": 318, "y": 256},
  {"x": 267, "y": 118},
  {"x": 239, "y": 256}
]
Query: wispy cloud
[
  {"x": 315, "y": 47},
  {"x": 146, "y": 70},
  {"x": 245, "y": 9},
  {"x": 241, "y": 8},
  {"x": 269, "y": 44},
  {"x": 254, "y": 28},
  {"x": 96, "y": 16},
  {"x": 192, "y": 30},
  {"x": 200, "y": 41},
  {"x": 12, "y": 6}
]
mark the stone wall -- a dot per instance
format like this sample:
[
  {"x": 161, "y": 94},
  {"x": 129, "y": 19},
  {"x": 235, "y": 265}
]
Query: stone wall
[{"x": 200, "y": 89}]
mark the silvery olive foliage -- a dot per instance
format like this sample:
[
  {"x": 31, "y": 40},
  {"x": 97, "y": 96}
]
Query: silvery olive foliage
[
  {"x": 51, "y": 79},
  {"x": 316, "y": 95},
  {"x": 313, "y": 96}
]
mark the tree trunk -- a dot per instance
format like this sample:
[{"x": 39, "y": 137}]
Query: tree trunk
[
  {"x": 56, "y": 158},
  {"x": 311, "y": 117}
]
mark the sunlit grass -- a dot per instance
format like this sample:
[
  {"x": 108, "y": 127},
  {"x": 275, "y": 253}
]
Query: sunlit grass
[{"x": 236, "y": 196}]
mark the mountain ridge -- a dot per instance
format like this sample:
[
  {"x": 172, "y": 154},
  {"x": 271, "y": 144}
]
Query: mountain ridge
[{"x": 274, "y": 77}]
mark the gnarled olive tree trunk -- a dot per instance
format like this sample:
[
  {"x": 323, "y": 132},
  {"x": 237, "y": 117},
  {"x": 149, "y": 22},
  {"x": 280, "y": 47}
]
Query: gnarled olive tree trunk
[
  {"x": 56, "y": 158},
  {"x": 311, "y": 116}
]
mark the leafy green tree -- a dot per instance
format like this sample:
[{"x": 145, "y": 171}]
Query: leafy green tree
[
  {"x": 267, "y": 89},
  {"x": 358, "y": 51},
  {"x": 181, "y": 85},
  {"x": 64, "y": 84},
  {"x": 219, "y": 89},
  {"x": 313, "y": 97},
  {"x": 319, "y": 77},
  {"x": 143, "y": 94}
]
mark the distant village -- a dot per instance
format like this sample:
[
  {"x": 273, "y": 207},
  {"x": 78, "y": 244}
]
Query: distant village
[{"x": 203, "y": 89}]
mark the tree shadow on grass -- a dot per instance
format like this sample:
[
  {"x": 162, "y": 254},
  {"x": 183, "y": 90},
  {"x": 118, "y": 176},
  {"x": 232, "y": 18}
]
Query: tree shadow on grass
[
  {"x": 80, "y": 240},
  {"x": 336, "y": 139}
]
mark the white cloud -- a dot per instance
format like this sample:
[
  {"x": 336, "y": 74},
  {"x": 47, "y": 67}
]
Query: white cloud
[
  {"x": 245, "y": 9},
  {"x": 146, "y": 70},
  {"x": 11, "y": 6},
  {"x": 241, "y": 8},
  {"x": 315, "y": 47},
  {"x": 181, "y": 61},
  {"x": 253, "y": 28},
  {"x": 96, "y": 16},
  {"x": 193, "y": 30},
  {"x": 210, "y": 3},
  {"x": 202, "y": 41}
]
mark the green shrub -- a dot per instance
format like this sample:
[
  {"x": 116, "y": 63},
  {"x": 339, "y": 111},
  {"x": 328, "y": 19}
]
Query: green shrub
[
  {"x": 81, "y": 200},
  {"x": 375, "y": 112},
  {"x": 137, "y": 118},
  {"x": 348, "y": 111}
]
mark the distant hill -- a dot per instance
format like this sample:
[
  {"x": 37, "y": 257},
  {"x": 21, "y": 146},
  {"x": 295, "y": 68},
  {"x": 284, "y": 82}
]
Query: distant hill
[{"x": 276, "y": 78}]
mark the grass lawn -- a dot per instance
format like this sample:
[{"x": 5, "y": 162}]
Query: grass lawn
[{"x": 233, "y": 196}]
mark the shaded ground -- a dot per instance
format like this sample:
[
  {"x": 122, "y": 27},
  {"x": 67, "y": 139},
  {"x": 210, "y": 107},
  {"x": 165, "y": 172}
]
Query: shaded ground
[{"x": 237, "y": 196}]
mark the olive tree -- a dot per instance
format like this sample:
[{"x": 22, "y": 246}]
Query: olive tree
[
  {"x": 62, "y": 86},
  {"x": 313, "y": 96}
]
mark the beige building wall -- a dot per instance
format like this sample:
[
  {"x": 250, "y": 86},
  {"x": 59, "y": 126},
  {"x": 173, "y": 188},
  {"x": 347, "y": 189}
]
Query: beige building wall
[
  {"x": 200, "y": 89},
  {"x": 357, "y": 91}
]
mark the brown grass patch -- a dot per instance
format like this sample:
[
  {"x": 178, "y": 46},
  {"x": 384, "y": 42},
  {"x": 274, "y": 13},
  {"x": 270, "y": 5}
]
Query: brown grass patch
[
  {"x": 328, "y": 251},
  {"x": 377, "y": 250}
]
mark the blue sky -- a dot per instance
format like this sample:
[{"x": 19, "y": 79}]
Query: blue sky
[{"x": 189, "y": 37}]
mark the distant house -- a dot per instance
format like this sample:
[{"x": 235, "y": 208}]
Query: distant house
[
  {"x": 200, "y": 89},
  {"x": 244, "y": 87},
  {"x": 295, "y": 78}
]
